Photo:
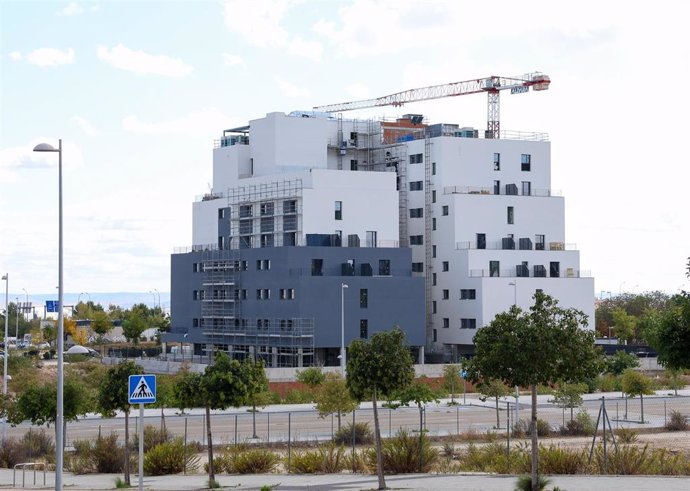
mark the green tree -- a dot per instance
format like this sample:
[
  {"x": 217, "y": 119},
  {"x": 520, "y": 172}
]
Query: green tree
[
  {"x": 496, "y": 389},
  {"x": 671, "y": 334},
  {"x": 377, "y": 368},
  {"x": 133, "y": 325},
  {"x": 634, "y": 384},
  {"x": 675, "y": 380},
  {"x": 452, "y": 380},
  {"x": 258, "y": 390},
  {"x": 333, "y": 397},
  {"x": 419, "y": 393},
  {"x": 569, "y": 396},
  {"x": 114, "y": 396},
  {"x": 100, "y": 323},
  {"x": 620, "y": 362},
  {"x": 312, "y": 377},
  {"x": 187, "y": 390},
  {"x": 225, "y": 383},
  {"x": 624, "y": 325},
  {"x": 535, "y": 347}
]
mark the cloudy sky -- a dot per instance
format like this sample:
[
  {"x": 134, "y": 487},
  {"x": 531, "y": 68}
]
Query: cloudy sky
[{"x": 139, "y": 90}]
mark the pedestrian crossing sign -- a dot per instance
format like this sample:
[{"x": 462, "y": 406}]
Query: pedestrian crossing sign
[{"x": 142, "y": 389}]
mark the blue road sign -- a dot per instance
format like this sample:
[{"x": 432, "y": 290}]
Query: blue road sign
[
  {"x": 463, "y": 373},
  {"x": 142, "y": 389},
  {"x": 52, "y": 305}
]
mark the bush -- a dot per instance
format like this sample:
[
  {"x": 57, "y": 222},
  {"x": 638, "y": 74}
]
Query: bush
[
  {"x": 102, "y": 456},
  {"x": 524, "y": 483},
  {"x": 305, "y": 462},
  {"x": 12, "y": 453},
  {"x": 153, "y": 436},
  {"x": 356, "y": 462},
  {"x": 677, "y": 422},
  {"x": 332, "y": 458},
  {"x": 609, "y": 383},
  {"x": 626, "y": 435},
  {"x": 581, "y": 425},
  {"x": 297, "y": 396},
  {"x": 522, "y": 429},
  {"x": 169, "y": 458},
  {"x": 39, "y": 445},
  {"x": 363, "y": 434},
  {"x": 255, "y": 461},
  {"x": 558, "y": 460},
  {"x": 405, "y": 453}
]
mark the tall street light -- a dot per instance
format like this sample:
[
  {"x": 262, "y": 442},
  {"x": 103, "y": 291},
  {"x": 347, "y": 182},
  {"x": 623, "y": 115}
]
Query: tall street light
[
  {"x": 342, "y": 329},
  {"x": 16, "y": 325},
  {"x": 59, "y": 447},
  {"x": 5, "y": 277},
  {"x": 159, "y": 298},
  {"x": 26, "y": 310}
]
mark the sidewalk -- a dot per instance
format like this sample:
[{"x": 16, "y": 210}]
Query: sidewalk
[{"x": 435, "y": 482}]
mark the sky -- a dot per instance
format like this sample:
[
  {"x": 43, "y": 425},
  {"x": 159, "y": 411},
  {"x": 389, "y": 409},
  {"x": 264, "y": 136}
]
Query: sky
[{"x": 138, "y": 91}]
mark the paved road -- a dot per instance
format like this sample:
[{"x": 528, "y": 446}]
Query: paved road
[{"x": 464, "y": 482}]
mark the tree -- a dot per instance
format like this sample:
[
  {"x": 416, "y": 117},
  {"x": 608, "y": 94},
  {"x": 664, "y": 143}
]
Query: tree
[
  {"x": 333, "y": 397},
  {"x": 225, "y": 383},
  {"x": 258, "y": 390},
  {"x": 496, "y": 389},
  {"x": 624, "y": 325},
  {"x": 113, "y": 395},
  {"x": 671, "y": 335},
  {"x": 312, "y": 377},
  {"x": 620, "y": 362},
  {"x": 634, "y": 384},
  {"x": 377, "y": 368},
  {"x": 100, "y": 323},
  {"x": 452, "y": 380},
  {"x": 540, "y": 346},
  {"x": 675, "y": 380},
  {"x": 569, "y": 396},
  {"x": 132, "y": 327},
  {"x": 187, "y": 390}
]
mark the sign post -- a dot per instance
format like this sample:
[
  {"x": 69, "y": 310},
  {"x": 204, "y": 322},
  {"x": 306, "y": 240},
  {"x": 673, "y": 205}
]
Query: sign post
[
  {"x": 463, "y": 374},
  {"x": 142, "y": 390}
]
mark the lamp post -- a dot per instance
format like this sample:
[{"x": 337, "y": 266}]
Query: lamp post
[
  {"x": 154, "y": 298},
  {"x": 6, "y": 277},
  {"x": 16, "y": 325},
  {"x": 517, "y": 389},
  {"x": 26, "y": 310},
  {"x": 342, "y": 329},
  {"x": 59, "y": 448},
  {"x": 159, "y": 298}
]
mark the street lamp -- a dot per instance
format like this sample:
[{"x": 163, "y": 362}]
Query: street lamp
[
  {"x": 159, "y": 298},
  {"x": 517, "y": 389},
  {"x": 154, "y": 298},
  {"x": 5, "y": 277},
  {"x": 59, "y": 448},
  {"x": 342, "y": 329},
  {"x": 16, "y": 325}
]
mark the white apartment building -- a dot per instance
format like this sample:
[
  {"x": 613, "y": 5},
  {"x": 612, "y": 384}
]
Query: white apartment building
[{"x": 485, "y": 227}]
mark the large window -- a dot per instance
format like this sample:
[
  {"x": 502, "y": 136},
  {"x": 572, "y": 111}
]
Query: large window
[
  {"x": 446, "y": 322},
  {"x": 246, "y": 211},
  {"x": 494, "y": 268},
  {"x": 363, "y": 298},
  {"x": 417, "y": 267},
  {"x": 317, "y": 267},
  {"x": 468, "y": 294},
  {"x": 371, "y": 238},
  {"x": 384, "y": 267},
  {"x": 338, "y": 210},
  {"x": 287, "y": 293},
  {"x": 511, "y": 215},
  {"x": 468, "y": 323},
  {"x": 289, "y": 206},
  {"x": 416, "y": 212},
  {"x": 416, "y": 239},
  {"x": 263, "y": 294},
  {"x": 526, "y": 162},
  {"x": 416, "y": 185},
  {"x": 444, "y": 210},
  {"x": 267, "y": 209},
  {"x": 417, "y": 158},
  {"x": 540, "y": 242},
  {"x": 481, "y": 241},
  {"x": 554, "y": 269},
  {"x": 263, "y": 264}
]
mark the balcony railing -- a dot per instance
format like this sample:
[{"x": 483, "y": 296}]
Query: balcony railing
[
  {"x": 498, "y": 245},
  {"x": 539, "y": 193},
  {"x": 527, "y": 273}
]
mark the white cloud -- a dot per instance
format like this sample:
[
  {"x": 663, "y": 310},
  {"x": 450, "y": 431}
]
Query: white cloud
[
  {"x": 140, "y": 62},
  {"x": 258, "y": 22},
  {"x": 85, "y": 125},
  {"x": 204, "y": 122},
  {"x": 73, "y": 8},
  {"x": 233, "y": 60},
  {"x": 12, "y": 159},
  {"x": 290, "y": 89},
  {"x": 358, "y": 91},
  {"x": 307, "y": 49},
  {"x": 15, "y": 55},
  {"x": 50, "y": 57}
]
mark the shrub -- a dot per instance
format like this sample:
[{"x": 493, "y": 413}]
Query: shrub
[
  {"x": 255, "y": 461},
  {"x": 490, "y": 458},
  {"x": 169, "y": 458},
  {"x": 524, "y": 483},
  {"x": 522, "y": 429},
  {"x": 448, "y": 450},
  {"x": 356, "y": 462},
  {"x": 12, "y": 453},
  {"x": 626, "y": 435},
  {"x": 297, "y": 396},
  {"x": 153, "y": 436},
  {"x": 363, "y": 434},
  {"x": 107, "y": 456},
  {"x": 558, "y": 460},
  {"x": 305, "y": 462},
  {"x": 406, "y": 453},
  {"x": 628, "y": 460},
  {"x": 581, "y": 425},
  {"x": 609, "y": 383},
  {"x": 333, "y": 458},
  {"x": 677, "y": 422}
]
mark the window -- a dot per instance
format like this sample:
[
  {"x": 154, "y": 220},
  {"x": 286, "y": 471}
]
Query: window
[
  {"x": 433, "y": 224},
  {"x": 433, "y": 168},
  {"x": 526, "y": 161},
  {"x": 267, "y": 240},
  {"x": 245, "y": 227},
  {"x": 267, "y": 224},
  {"x": 522, "y": 270},
  {"x": 317, "y": 267},
  {"x": 417, "y": 158},
  {"x": 246, "y": 211},
  {"x": 497, "y": 161},
  {"x": 433, "y": 279},
  {"x": 446, "y": 322},
  {"x": 338, "y": 210},
  {"x": 244, "y": 294},
  {"x": 468, "y": 323},
  {"x": 267, "y": 209},
  {"x": 263, "y": 294},
  {"x": 433, "y": 196},
  {"x": 195, "y": 322},
  {"x": 554, "y": 269},
  {"x": 289, "y": 206},
  {"x": 416, "y": 185},
  {"x": 364, "y": 328},
  {"x": 444, "y": 210},
  {"x": 416, "y": 239},
  {"x": 363, "y": 298},
  {"x": 526, "y": 188},
  {"x": 446, "y": 265},
  {"x": 497, "y": 187},
  {"x": 287, "y": 293},
  {"x": 417, "y": 267},
  {"x": 384, "y": 267},
  {"x": 433, "y": 306},
  {"x": 511, "y": 215},
  {"x": 540, "y": 242},
  {"x": 338, "y": 238},
  {"x": 435, "y": 336},
  {"x": 290, "y": 222},
  {"x": 416, "y": 212},
  {"x": 494, "y": 270},
  {"x": 195, "y": 294},
  {"x": 433, "y": 251},
  {"x": 221, "y": 213},
  {"x": 468, "y": 294},
  {"x": 196, "y": 267},
  {"x": 371, "y": 238},
  {"x": 481, "y": 241},
  {"x": 446, "y": 294},
  {"x": 243, "y": 265},
  {"x": 353, "y": 164},
  {"x": 263, "y": 264}
]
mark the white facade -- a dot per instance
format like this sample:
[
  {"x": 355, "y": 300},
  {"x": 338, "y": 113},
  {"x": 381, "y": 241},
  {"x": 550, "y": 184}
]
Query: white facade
[{"x": 482, "y": 210}]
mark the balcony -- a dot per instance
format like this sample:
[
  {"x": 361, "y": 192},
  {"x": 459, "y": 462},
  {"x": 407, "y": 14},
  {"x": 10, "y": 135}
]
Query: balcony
[
  {"x": 504, "y": 245},
  {"x": 524, "y": 272},
  {"x": 508, "y": 190}
]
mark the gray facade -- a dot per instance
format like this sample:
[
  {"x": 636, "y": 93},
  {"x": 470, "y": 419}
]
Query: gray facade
[{"x": 284, "y": 303}]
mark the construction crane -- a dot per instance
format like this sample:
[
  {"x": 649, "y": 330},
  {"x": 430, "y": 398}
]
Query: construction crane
[{"x": 492, "y": 85}]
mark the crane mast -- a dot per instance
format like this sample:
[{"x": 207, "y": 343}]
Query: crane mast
[{"x": 492, "y": 85}]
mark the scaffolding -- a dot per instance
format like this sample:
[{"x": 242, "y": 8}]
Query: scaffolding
[{"x": 428, "y": 228}]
